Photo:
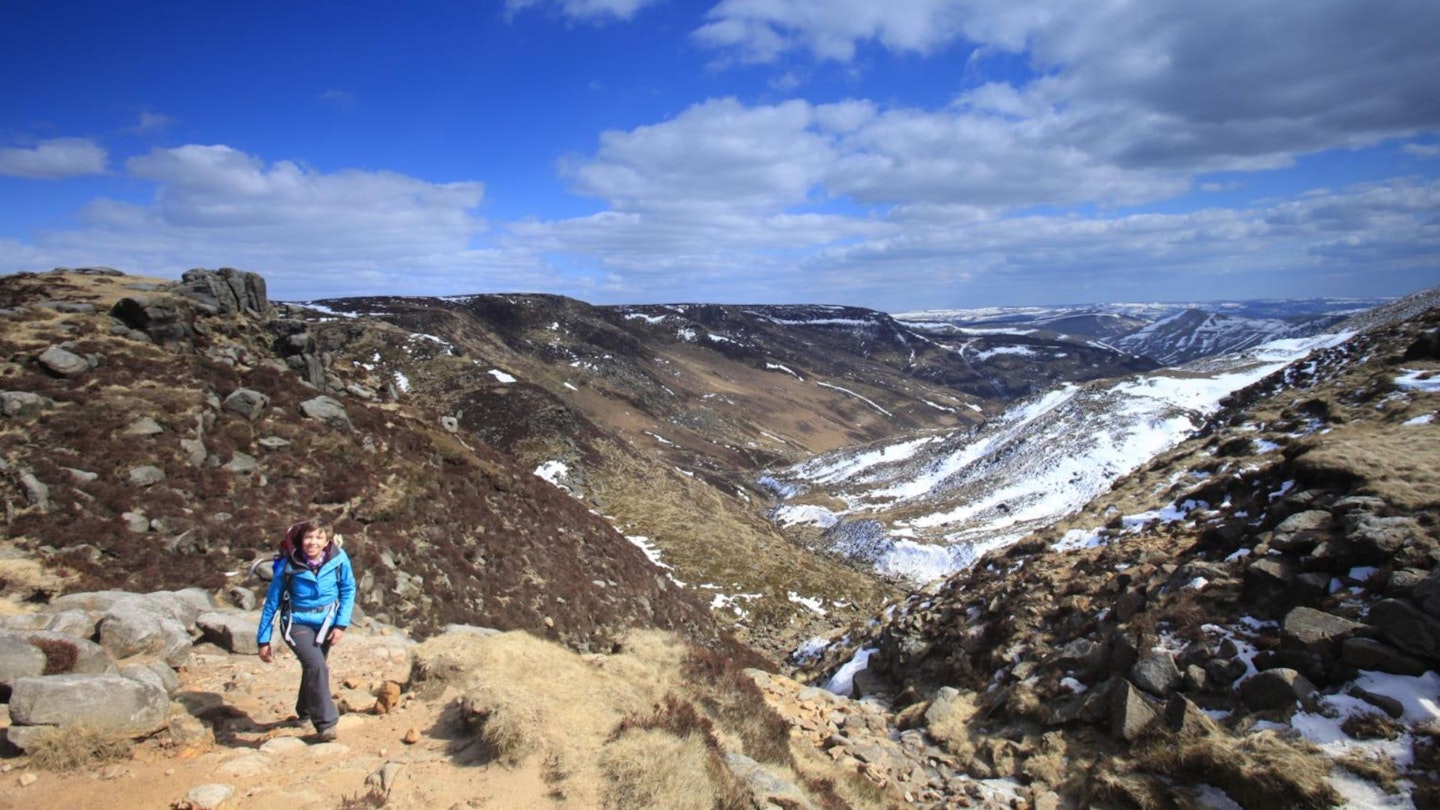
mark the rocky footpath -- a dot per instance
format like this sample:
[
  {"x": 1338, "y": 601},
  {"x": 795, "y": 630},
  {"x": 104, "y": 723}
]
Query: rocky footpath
[{"x": 171, "y": 678}]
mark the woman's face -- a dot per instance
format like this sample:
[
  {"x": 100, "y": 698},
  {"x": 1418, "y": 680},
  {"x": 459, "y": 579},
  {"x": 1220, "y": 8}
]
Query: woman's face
[{"x": 314, "y": 542}]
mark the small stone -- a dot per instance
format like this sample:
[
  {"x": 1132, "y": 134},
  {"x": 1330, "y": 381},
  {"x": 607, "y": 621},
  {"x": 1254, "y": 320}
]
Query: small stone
[
  {"x": 411, "y": 737},
  {"x": 1156, "y": 673},
  {"x": 144, "y": 426},
  {"x": 387, "y": 697},
  {"x": 146, "y": 475},
  {"x": 62, "y": 363},
  {"x": 28, "y": 779},
  {"x": 208, "y": 797}
]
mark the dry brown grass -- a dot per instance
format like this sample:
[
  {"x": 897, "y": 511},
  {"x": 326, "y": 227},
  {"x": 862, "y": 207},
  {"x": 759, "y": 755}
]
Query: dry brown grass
[
  {"x": 23, "y": 577},
  {"x": 529, "y": 698},
  {"x": 76, "y": 748},
  {"x": 654, "y": 768},
  {"x": 1380, "y": 771},
  {"x": 1383, "y": 461},
  {"x": 649, "y": 724},
  {"x": 707, "y": 535},
  {"x": 1259, "y": 770},
  {"x": 1372, "y": 726}
]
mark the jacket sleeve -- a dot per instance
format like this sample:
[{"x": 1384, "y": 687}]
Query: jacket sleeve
[
  {"x": 272, "y": 604},
  {"x": 346, "y": 577}
]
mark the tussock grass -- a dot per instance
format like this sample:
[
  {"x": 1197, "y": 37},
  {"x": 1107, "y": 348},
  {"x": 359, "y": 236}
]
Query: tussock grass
[
  {"x": 77, "y": 748},
  {"x": 24, "y": 577},
  {"x": 1259, "y": 770},
  {"x": 526, "y": 697},
  {"x": 649, "y": 724},
  {"x": 1381, "y": 771},
  {"x": 1384, "y": 462},
  {"x": 655, "y": 768}
]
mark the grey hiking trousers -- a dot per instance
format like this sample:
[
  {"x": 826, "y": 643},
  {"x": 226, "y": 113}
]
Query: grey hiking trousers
[{"x": 314, "y": 702}]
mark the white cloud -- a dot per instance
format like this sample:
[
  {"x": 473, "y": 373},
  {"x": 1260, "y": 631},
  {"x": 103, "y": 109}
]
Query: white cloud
[
  {"x": 587, "y": 10},
  {"x": 1369, "y": 239},
  {"x": 761, "y": 30},
  {"x": 1151, "y": 83},
  {"x": 54, "y": 159},
  {"x": 716, "y": 155},
  {"x": 311, "y": 232},
  {"x": 721, "y": 154}
]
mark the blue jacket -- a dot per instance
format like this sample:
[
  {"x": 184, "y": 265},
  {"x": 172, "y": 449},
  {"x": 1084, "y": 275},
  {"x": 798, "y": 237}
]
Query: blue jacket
[{"x": 311, "y": 593}]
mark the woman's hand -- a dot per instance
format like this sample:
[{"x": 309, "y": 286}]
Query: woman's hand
[
  {"x": 265, "y": 653},
  {"x": 336, "y": 633}
]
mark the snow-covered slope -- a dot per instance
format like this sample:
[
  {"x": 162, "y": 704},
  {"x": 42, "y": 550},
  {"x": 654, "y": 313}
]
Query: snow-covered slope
[
  {"x": 1192, "y": 334},
  {"x": 1168, "y": 333},
  {"x": 926, "y": 507}
]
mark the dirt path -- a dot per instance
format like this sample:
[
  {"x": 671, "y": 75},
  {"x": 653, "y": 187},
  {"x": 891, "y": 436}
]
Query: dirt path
[{"x": 269, "y": 763}]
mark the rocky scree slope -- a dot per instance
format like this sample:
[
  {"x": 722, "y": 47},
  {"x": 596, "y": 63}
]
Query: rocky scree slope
[
  {"x": 1253, "y": 612},
  {"x": 163, "y": 435}
]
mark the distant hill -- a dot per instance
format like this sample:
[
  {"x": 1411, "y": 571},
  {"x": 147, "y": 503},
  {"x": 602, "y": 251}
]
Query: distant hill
[{"x": 1168, "y": 334}]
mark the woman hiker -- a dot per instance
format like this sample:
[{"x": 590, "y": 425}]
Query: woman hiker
[{"x": 313, "y": 592}]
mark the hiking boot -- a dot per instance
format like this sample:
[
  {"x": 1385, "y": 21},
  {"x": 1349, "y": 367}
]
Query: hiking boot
[{"x": 326, "y": 735}]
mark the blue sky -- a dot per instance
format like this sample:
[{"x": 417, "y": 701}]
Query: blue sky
[{"x": 899, "y": 155}]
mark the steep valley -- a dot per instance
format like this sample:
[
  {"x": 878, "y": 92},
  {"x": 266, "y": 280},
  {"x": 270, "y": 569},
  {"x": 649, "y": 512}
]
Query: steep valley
[{"x": 1030, "y": 568}]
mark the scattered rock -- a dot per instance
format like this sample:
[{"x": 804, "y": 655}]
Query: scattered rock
[
  {"x": 135, "y": 628},
  {"x": 231, "y": 631},
  {"x": 1407, "y": 627},
  {"x": 387, "y": 697},
  {"x": 1156, "y": 673},
  {"x": 385, "y": 777},
  {"x": 766, "y": 789},
  {"x": 195, "y": 452},
  {"x": 144, "y": 426},
  {"x": 1130, "y": 711},
  {"x": 242, "y": 464},
  {"x": 155, "y": 317},
  {"x": 1377, "y": 539},
  {"x": 147, "y": 475},
  {"x": 18, "y": 659},
  {"x": 80, "y": 655},
  {"x": 1302, "y": 531},
  {"x": 327, "y": 410},
  {"x": 246, "y": 403},
  {"x": 62, "y": 362},
  {"x": 1275, "y": 689},
  {"x": 209, "y": 797},
  {"x": 17, "y": 404},
  {"x": 108, "y": 703}
]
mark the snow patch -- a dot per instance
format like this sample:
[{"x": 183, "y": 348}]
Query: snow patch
[
  {"x": 1419, "y": 380},
  {"x": 552, "y": 471},
  {"x": 843, "y": 681}
]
